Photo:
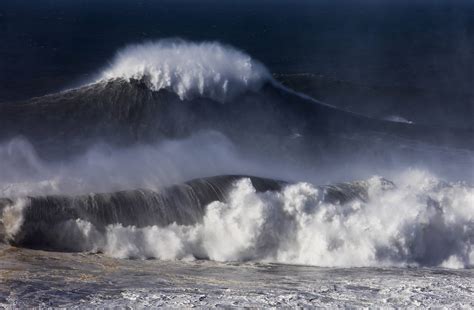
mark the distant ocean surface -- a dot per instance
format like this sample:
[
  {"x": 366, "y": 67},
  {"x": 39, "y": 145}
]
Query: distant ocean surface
[{"x": 51, "y": 45}]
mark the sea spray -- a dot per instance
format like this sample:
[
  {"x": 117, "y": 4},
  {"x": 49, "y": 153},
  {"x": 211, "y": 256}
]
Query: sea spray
[
  {"x": 207, "y": 69},
  {"x": 431, "y": 225}
]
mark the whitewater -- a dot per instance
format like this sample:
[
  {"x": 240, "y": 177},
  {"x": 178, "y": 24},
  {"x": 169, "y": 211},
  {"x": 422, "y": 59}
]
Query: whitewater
[
  {"x": 185, "y": 155},
  {"x": 207, "y": 69}
]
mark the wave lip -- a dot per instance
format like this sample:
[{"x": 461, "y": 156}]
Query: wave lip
[{"x": 207, "y": 69}]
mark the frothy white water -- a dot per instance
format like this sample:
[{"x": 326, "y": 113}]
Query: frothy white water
[
  {"x": 207, "y": 69},
  {"x": 11, "y": 218},
  {"x": 422, "y": 222}
]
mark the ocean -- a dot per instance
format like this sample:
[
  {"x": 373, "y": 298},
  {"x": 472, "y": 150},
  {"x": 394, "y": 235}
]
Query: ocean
[{"x": 252, "y": 154}]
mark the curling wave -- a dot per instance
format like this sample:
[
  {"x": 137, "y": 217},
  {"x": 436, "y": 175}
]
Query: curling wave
[
  {"x": 421, "y": 221},
  {"x": 190, "y": 70}
]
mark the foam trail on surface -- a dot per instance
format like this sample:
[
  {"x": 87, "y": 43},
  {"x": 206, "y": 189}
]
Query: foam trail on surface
[{"x": 207, "y": 69}]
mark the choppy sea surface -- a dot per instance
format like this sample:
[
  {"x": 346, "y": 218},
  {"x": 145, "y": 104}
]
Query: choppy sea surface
[{"x": 39, "y": 278}]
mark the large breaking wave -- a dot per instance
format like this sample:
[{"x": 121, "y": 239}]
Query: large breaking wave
[
  {"x": 89, "y": 169},
  {"x": 422, "y": 222},
  {"x": 189, "y": 69},
  {"x": 419, "y": 221}
]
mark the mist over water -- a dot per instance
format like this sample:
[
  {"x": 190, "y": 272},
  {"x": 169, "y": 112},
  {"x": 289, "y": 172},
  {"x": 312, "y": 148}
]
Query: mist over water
[{"x": 104, "y": 168}]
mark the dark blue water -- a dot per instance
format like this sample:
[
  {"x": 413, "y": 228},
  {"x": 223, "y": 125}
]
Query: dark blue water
[{"x": 48, "y": 45}]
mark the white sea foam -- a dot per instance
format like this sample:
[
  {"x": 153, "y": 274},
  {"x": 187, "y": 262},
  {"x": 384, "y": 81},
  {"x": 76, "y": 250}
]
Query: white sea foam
[
  {"x": 11, "y": 218},
  {"x": 207, "y": 69},
  {"x": 423, "y": 221}
]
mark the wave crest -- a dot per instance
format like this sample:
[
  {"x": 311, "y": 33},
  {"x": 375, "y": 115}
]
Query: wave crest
[
  {"x": 207, "y": 69},
  {"x": 421, "y": 221},
  {"x": 427, "y": 225}
]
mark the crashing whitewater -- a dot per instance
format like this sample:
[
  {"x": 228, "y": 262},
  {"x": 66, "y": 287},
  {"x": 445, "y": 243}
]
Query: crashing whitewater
[
  {"x": 420, "y": 221},
  {"x": 166, "y": 112},
  {"x": 190, "y": 70}
]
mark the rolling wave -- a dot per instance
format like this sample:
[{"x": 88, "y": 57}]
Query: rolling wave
[{"x": 419, "y": 221}]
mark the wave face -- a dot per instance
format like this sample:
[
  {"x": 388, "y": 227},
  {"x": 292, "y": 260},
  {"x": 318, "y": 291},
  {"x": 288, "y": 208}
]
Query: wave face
[
  {"x": 421, "y": 221},
  {"x": 189, "y": 69},
  {"x": 36, "y": 221}
]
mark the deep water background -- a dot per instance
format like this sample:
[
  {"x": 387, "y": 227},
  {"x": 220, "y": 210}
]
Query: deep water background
[{"x": 407, "y": 46}]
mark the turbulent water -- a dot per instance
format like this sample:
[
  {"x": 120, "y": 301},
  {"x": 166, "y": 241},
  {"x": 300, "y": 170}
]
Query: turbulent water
[
  {"x": 188, "y": 69},
  {"x": 30, "y": 278},
  {"x": 192, "y": 152}
]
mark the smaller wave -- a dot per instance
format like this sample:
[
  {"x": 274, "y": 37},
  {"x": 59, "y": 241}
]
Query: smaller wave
[{"x": 207, "y": 69}]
